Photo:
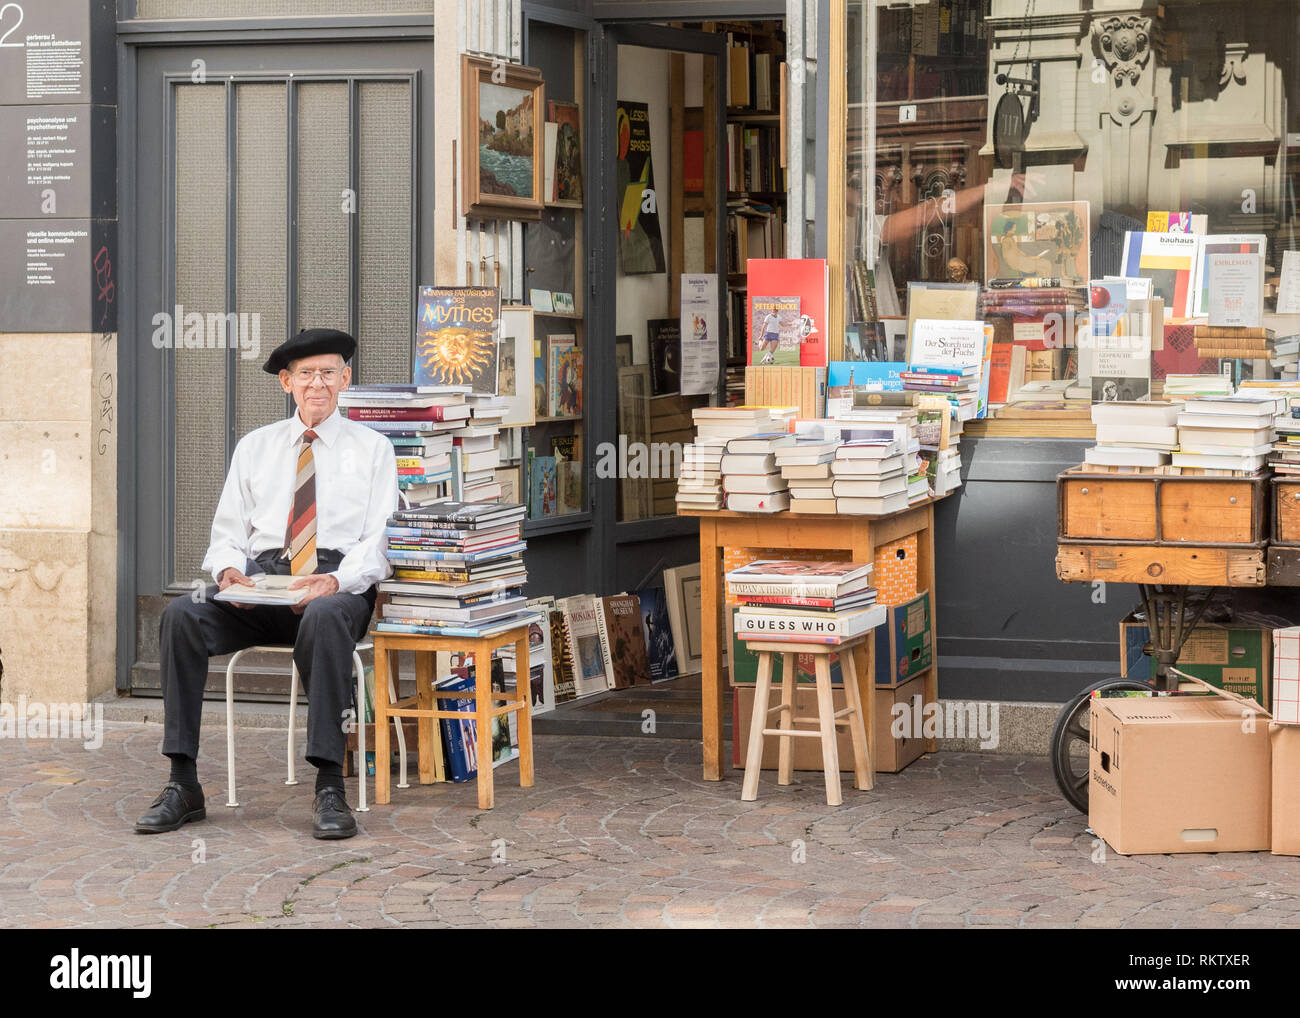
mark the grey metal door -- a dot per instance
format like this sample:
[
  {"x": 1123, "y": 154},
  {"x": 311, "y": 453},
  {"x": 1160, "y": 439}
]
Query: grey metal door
[{"x": 268, "y": 189}]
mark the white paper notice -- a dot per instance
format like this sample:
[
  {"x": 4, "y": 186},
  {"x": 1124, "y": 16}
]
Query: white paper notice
[
  {"x": 699, "y": 319},
  {"x": 1288, "y": 291}
]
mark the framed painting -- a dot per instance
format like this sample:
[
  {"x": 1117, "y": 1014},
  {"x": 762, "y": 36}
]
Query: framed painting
[
  {"x": 515, "y": 366},
  {"x": 501, "y": 139}
]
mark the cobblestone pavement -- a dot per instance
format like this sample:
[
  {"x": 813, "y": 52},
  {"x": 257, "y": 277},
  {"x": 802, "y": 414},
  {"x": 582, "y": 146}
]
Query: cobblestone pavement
[{"x": 616, "y": 832}]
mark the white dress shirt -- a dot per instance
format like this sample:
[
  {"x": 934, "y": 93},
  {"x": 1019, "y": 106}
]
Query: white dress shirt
[{"x": 356, "y": 492}]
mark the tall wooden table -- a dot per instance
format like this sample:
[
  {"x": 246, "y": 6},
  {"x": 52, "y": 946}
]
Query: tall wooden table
[{"x": 857, "y": 537}]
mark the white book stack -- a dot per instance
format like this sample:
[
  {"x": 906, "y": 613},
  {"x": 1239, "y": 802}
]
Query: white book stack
[
  {"x": 751, "y": 479},
  {"x": 1286, "y": 356},
  {"x": 871, "y": 477},
  {"x": 1136, "y": 436},
  {"x": 699, "y": 485},
  {"x": 1231, "y": 434},
  {"x": 805, "y": 467}
]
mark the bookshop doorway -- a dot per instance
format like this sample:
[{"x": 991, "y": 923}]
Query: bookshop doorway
[{"x": 695, "y": 186}]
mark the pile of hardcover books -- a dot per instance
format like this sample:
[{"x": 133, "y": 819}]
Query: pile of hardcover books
[
  {"x": 458, "y": 570},
  {"x": 959, "y": 385},
  {"x": 789, "y": 601},
  {"x": 700, "y": 484},
  {"x": 1179, "y": 387},
  {"x": 806, "y": 466},
  {"x": 871, "y": 474},
  {"x": 444, "y": 436},
  {"x": 1133, "y": 436},
  {"x": 1226, "y": 435},
  {"x": 750, "y": 475},
  {"x": 1285, "y": 457}
]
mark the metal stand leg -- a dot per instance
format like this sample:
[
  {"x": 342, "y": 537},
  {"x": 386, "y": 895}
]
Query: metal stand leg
[{"x": 1167, "y": 621}]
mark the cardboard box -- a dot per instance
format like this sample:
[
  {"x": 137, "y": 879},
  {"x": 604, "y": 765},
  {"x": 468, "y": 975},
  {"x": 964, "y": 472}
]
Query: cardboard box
[
  {"x": 1239, "y": 660},
  {"x": 1179, "y": 774},
  {"x": 904, "y": 648},
  {"x": 892, "y": 755},
  {"x": 1284, "y": 740},
  {"x": 894, "y": 571}
]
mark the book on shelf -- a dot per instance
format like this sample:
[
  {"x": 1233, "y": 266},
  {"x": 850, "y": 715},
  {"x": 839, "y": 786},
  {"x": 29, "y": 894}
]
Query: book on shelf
[
  {"x": 542, "y": 493},
  {"x": 564, "y": 376},
  {"x": 622, "y": 640}
]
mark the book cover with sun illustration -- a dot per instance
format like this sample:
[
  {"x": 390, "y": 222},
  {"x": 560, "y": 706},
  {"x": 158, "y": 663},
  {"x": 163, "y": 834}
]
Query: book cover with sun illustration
[{"x": 456, "y": 337}]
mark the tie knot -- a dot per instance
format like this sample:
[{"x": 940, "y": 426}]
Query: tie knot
[{"x": 309, "y": 435}]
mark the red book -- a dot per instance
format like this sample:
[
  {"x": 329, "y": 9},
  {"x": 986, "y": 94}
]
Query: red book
[
  {"x": 458, "y": 412},
  {"x": 805, "y": 278},
  {"x": 1000, "y": 372}
]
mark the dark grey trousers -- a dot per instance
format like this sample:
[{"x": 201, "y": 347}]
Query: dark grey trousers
[{"x": 323, "y": 638}]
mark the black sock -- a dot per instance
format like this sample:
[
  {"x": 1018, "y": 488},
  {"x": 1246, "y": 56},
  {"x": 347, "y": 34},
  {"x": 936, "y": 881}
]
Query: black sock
[
  {"x": 328, "y": 775},
  {"x": 184, "y": 771}
]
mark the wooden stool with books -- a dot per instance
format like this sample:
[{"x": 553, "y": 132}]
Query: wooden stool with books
[
  {"x": 826, "y": 721},
  {"x": 424, "y": 704}
]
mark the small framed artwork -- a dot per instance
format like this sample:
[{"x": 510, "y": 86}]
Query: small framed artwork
[
  {"x": 682, "y": 593},
  {"x": 541, "y": 300},
  {"x": 503, "y": 173},
  {"x": 623, "y": 351},
  {"x": 515, "y": 366},
  {"x": 563, "y": 302}
]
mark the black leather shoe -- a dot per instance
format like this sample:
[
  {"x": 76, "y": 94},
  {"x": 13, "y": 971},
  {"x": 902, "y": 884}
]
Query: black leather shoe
[
  {"x": 331, "y": 816},
  {"x": 174, "y": 806}
]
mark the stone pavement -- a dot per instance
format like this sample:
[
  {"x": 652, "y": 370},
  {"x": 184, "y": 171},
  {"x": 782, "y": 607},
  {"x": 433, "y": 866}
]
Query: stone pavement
[{"x": 616, "y": 833}]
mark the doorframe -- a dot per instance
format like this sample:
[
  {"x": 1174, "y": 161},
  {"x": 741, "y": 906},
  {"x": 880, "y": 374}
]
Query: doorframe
[
  {"x": 133, "y": 36},
  {"x": 649, "y": 36}
]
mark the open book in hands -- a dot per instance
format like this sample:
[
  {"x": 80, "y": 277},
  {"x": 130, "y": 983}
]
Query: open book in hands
[{"x": 267, "y": 588}]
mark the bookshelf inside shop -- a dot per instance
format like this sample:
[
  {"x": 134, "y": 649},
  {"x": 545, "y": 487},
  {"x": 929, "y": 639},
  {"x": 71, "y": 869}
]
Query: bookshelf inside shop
[{"x": 555, "y": 457}]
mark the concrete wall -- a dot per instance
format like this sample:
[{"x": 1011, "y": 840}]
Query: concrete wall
[{"x": 58, "y": 516}]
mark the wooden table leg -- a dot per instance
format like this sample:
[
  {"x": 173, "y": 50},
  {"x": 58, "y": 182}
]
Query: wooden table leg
[
  {"x": 925, "y": 580},
  {"x": 863, "y": 768},
  {"x": 382, "y": 753},
  {"x": 483, "y": 721},
  {"x": 826, "y": 717},
  {"x": 754, "y": 756},
  {"x": 785, "y": 751},
  {"x": 524, "y": 716},
  {"x": 713, "y": 618},
  {"x": 425, "y": 727}
]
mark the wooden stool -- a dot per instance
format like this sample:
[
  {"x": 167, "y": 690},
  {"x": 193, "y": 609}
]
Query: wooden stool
[
  {"x": 424, "y": 707},
  {"x": 827, "y": 718}
]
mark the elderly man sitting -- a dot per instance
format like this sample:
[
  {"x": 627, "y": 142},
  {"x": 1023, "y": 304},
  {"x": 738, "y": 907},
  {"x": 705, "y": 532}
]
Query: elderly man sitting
[{"x": 307, "y": 496}]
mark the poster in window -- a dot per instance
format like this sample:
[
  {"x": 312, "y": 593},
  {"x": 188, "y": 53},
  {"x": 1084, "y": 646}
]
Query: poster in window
[
  {"x": 1037, "y": 240},
  {"x": 640, "y": 246}
]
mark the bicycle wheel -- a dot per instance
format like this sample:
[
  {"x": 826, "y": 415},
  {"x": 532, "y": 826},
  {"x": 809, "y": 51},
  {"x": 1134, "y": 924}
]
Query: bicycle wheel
[{"x": 1070, "y": 741}]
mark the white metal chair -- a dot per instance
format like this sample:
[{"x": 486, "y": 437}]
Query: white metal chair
[{"x": 359, "y": 671}]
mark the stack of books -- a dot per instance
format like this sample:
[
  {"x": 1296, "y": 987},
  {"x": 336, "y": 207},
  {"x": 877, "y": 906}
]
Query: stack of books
[
  {"x": 422, "y": 422},
  {"x": 805, "y": 466},
  {"x": 1179, "y": 387},
  {"x": 1286, "y": 357},
  {"x": 1024, "y": 314},
  {"x": 477, "y": 445},
  {"x": 1237, "y": 342},
  {"x": 1133, "y": 437},
  {"x": 699, "y": 485},
  {"x": 1285, "y": 457},
  {"x": 960, "y": 385},
  {"x": 458, "y": 570},
  {"x": 939, "y": 472},
  {"x": 804, "y": 602},
  {"x": 1228, "y": 435},
  {"x": 750, "y": 477},
  {"x": 871, "y": 474}
]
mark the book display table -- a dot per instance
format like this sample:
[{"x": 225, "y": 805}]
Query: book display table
[
  {"x": 856, "y": 538},
  {"x": 424, "y": 704}
]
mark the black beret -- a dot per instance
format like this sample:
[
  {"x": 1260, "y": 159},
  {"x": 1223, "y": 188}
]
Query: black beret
[{"x": 309, "y": 343}]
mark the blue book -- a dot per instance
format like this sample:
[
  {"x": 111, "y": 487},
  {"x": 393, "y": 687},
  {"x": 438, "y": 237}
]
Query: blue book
[
  {"x": 935, "y": 369},
  {"x": 660, "y": 649},
  {"x": 460, "y": 766},
  {"x": 884, "y": 376}
]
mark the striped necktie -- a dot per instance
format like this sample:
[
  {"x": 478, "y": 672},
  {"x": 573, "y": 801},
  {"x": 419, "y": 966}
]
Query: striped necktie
[{"x": 300, "y": 542}]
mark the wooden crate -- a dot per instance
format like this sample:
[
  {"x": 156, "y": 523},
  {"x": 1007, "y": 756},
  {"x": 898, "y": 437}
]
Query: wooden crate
[
  {"x": 1156, "y": 510},
  {"x": 1283, "y": 566},
  {"x": 1286, "y": 511},
  {"x": 1196, "y": 565}
]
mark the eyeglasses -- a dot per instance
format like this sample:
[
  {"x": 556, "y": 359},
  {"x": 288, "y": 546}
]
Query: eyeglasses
[{"x": 305, "y": 376}]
